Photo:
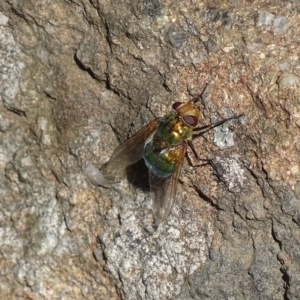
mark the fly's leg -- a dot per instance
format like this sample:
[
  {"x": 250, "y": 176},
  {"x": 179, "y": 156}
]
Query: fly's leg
[
  {"x": 206, "y": 128},
  {"x": 191, "y": 145},
  {"x": 197, "y": 98}
]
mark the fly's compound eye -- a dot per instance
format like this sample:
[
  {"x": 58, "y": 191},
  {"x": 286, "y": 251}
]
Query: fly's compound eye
[
  {"x": 176, "y": 105},
  {"x": 190, "y": 120}
]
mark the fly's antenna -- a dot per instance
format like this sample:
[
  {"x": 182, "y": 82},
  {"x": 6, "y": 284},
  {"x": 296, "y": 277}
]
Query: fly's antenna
[{"x": 197, "y": 98}]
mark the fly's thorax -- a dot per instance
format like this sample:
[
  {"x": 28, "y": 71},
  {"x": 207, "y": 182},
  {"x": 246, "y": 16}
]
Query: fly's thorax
[{"x": 172, "y": 130}]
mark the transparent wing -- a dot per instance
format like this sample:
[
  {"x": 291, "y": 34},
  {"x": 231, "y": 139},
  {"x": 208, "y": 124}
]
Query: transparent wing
[
  {"x": 131, "y": 150},
  {"x": 164, "y": 189}
]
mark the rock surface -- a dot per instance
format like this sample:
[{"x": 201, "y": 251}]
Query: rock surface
[{"x": 77, "y": 78}]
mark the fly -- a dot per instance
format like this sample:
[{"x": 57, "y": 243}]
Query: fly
[{"x": 163, "y": 144}]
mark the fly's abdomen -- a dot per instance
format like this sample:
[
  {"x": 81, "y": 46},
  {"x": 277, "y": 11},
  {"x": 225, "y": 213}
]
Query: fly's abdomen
[{"x": 161, "y": 163}]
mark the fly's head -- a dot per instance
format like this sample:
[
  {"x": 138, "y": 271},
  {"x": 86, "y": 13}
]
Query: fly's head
[{"x": 188, "y": 112}]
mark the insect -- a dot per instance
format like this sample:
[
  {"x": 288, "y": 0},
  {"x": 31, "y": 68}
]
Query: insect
[{"x": 163, "y": 144}]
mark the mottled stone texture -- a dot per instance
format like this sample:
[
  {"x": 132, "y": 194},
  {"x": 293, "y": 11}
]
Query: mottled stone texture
[{"x": 77, "y": 78}]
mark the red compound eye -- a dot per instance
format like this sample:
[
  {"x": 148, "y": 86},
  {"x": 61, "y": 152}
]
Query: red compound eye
[
  {"x": 190, "y": 120},
  {"x": 176, "y": 105}
]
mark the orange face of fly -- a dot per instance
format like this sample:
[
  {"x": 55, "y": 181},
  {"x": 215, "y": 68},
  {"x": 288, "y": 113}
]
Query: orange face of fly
[{"x": 188, "y": 112}]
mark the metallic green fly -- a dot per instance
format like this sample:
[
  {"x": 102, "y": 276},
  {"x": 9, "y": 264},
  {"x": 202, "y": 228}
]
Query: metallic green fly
[{"x": 163, "y": 144}]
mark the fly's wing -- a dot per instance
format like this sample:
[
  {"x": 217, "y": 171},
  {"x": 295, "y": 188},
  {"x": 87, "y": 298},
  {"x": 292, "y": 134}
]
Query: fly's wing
[
  {"x": 130, "y": 151},
  {"x": 164, "y": 189}
]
